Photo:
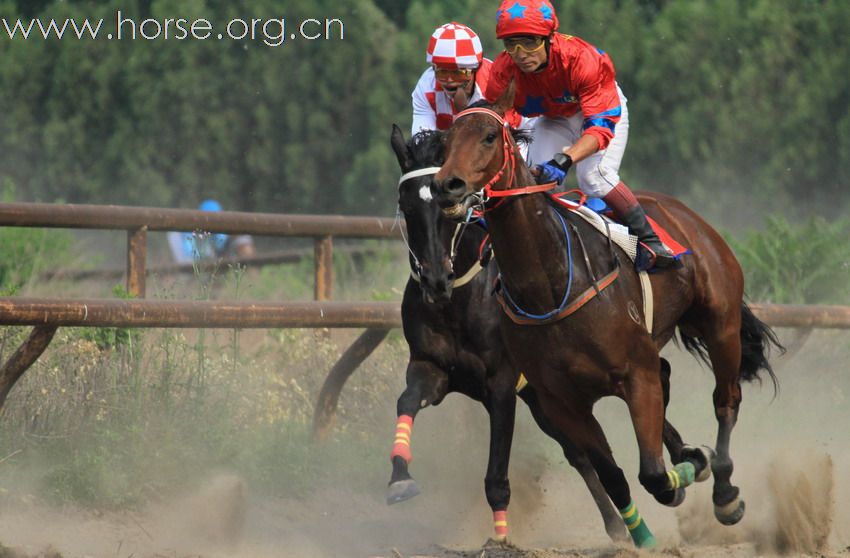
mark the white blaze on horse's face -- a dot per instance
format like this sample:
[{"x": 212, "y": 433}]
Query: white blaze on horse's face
[{"x": 425, "y": 193}]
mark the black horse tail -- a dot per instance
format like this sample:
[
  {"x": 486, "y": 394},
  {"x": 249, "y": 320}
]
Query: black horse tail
[{"x": 757, "y": 338}]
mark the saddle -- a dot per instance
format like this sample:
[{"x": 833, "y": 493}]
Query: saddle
[{"x": 596, "y": 212}]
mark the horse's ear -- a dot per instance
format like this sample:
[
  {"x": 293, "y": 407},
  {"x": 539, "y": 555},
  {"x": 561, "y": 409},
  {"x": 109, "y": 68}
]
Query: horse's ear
[
  {"x": 505, "y": 102},
  {"x": 400, "y": 148}
]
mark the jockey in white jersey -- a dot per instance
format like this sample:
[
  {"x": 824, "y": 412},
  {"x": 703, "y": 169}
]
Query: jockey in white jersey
[{"x": 457, "y": 77}]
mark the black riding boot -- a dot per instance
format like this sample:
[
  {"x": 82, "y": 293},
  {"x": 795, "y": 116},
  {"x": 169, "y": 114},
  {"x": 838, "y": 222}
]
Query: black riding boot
[{"x": 651, "y": 251}]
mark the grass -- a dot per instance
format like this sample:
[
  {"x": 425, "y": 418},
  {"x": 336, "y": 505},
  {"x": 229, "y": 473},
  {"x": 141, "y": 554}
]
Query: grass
[
  {"x": 112, "y": 427},
  {"x": 113, "y": 418}
]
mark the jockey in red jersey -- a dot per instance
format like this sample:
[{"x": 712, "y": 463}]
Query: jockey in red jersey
[
  {"x": 583, "y": 120},
  {"x": 457, "y": 78}
]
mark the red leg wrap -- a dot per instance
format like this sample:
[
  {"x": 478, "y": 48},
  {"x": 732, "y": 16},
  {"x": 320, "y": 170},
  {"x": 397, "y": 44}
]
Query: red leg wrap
[
  {"x": 500, "y": 522},
  {"x": 401, "y": 446}
]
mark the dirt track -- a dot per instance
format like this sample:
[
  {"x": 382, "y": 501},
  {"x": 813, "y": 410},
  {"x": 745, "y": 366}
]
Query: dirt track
[{"x": 791, "y": 455}]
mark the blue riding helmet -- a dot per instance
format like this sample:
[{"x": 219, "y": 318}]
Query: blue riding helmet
[{"x": 210, "y": 205}]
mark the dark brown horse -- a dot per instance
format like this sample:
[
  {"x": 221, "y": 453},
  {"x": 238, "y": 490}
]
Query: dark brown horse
[
  {"x": 451, "y": 323},
  {"x": 603, "y": 348}
]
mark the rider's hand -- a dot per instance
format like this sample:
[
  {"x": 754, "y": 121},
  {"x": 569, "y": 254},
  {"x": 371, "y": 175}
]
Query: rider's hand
[
  {"x": 548, "y": 172},
  {"x": 554, "y": 170}
]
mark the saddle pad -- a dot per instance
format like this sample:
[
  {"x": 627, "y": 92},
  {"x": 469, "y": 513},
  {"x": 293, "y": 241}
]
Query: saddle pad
[{"x": 620, "y": 233}]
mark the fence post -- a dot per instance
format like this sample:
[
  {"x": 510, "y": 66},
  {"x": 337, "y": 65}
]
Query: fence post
[
  {"x": 324, "y": 265},
  {"x": 137, "y": 250}
]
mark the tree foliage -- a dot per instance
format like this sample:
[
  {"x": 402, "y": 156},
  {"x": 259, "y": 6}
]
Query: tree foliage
[{"x": 734, "y": 103}]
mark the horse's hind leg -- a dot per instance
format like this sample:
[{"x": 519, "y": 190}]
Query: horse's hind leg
[
  {"x": 579, "y": 460},
  {"x": 590, "y": 439},
  {"x": 725, "y": 354},
  {"x": 426, "y": 384}
]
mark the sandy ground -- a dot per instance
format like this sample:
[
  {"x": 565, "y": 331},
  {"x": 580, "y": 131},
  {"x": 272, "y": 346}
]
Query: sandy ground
[{"x": 792, "y": 459}]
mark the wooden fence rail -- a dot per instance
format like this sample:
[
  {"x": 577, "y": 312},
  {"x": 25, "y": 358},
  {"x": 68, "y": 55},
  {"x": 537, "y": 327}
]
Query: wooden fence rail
[
  {"x": 47, "y": 314},
  {"x": 137, "y": 221}
]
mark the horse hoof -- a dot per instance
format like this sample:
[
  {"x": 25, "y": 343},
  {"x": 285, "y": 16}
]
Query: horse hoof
[
  {"x": 498, "y": 542},
  {"x": 678, "y": 498},
  {"x": 731, "y": 513},
  {"x": 617, "y": 532},
  {"x": 671, "y": 498},
  {"x": 402, "y": 490},
  {"x": 701, "y": 459},
  {"x": 648, "y": 543}
]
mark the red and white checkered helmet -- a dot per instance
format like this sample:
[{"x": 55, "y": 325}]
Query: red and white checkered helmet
[{"x": 455, "y": 46}]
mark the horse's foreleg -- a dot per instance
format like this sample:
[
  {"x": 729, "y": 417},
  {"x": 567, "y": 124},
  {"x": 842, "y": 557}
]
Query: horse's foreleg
[
  {"x": 585, "y": 432},
  {"x": 426, "y": 383},
  {"x": 644, "y": 395},
  {"x": 501, "y": 405},
  {"x": 580, "y": 461},
  {"x": 700, "y": 457}
]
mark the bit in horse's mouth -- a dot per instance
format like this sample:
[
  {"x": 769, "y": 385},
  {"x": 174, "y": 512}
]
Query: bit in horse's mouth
[{"x": 457, "y": 211}]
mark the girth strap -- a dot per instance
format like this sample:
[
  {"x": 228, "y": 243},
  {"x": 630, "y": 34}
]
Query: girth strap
[{"x": 648, "y": 310}]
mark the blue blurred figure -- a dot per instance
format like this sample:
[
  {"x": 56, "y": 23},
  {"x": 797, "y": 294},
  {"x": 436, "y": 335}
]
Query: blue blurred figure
[{"x": 188, "y": 247}]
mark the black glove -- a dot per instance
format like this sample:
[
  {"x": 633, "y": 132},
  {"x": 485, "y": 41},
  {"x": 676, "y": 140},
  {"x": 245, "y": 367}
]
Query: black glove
[{"x": 562, "y": 161}]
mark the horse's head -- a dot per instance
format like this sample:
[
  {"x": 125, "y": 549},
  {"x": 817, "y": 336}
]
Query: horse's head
[
  {"x": 480, "y": 155},
  {"x": 429, "y": 236}
]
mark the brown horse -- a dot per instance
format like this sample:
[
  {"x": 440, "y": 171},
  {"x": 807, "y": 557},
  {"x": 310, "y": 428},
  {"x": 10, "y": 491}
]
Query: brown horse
[{"x": 603, "y": 347}]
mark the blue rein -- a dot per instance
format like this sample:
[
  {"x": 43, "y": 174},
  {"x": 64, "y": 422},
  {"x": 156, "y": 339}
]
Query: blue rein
[{"x": 563, "y": 305}]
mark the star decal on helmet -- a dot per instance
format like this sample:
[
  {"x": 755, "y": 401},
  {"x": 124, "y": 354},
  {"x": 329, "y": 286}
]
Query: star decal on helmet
[{"x": 517, "y": 10}]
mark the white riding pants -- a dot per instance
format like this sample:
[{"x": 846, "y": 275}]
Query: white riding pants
[{"x": 598, "y": 174}]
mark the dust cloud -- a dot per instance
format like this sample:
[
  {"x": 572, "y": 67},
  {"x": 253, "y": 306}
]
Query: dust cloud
[{"x": 791, "y": 458}]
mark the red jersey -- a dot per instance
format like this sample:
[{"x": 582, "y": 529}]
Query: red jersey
[{"x": 578, "y": 78}]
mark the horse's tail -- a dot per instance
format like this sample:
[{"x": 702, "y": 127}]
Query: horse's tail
[{"x": 756, "y": 340}]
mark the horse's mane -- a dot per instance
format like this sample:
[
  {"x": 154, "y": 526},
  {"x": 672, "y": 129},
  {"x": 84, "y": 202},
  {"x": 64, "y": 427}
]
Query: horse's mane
[
  {"x": 427, "y": 148},
  {"x": 521, "y": 136}
]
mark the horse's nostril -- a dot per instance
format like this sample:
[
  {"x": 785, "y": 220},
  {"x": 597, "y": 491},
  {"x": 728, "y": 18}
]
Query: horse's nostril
[{"x": 455, "y": 185}]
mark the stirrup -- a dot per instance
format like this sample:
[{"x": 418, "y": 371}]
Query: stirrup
[{"x": 648, "y": 259}]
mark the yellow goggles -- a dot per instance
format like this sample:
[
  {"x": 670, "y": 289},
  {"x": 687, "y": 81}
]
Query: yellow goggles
[
  {"x": 453, "y": 74},
  {"x": 529, "y": 44}
]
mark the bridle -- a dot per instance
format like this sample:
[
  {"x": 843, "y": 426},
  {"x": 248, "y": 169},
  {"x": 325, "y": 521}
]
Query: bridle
[
  {"x": 416, "y": 268},
  {"x": 508, "y": 163}
]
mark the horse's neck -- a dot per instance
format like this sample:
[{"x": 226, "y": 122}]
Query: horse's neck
[
  {"x": 528, "y": 240},
  {"x": 467, "y": 248}
]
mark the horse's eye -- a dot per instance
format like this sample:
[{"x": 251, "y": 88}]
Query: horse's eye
[{"x": 490, "y": 138}]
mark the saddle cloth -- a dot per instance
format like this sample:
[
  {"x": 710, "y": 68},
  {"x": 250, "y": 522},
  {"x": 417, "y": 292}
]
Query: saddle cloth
[{"x": 620, "y": 233}]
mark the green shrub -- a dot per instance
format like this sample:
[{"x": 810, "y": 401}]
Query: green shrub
[
  {"x": 797, "y": 263},
  {"x": 28, "y": 252}
]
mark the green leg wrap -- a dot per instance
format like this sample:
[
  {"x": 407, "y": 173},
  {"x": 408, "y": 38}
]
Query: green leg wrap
[
  {"x": 681, "y": 475},
  {"x": 640, "y": 533}
]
